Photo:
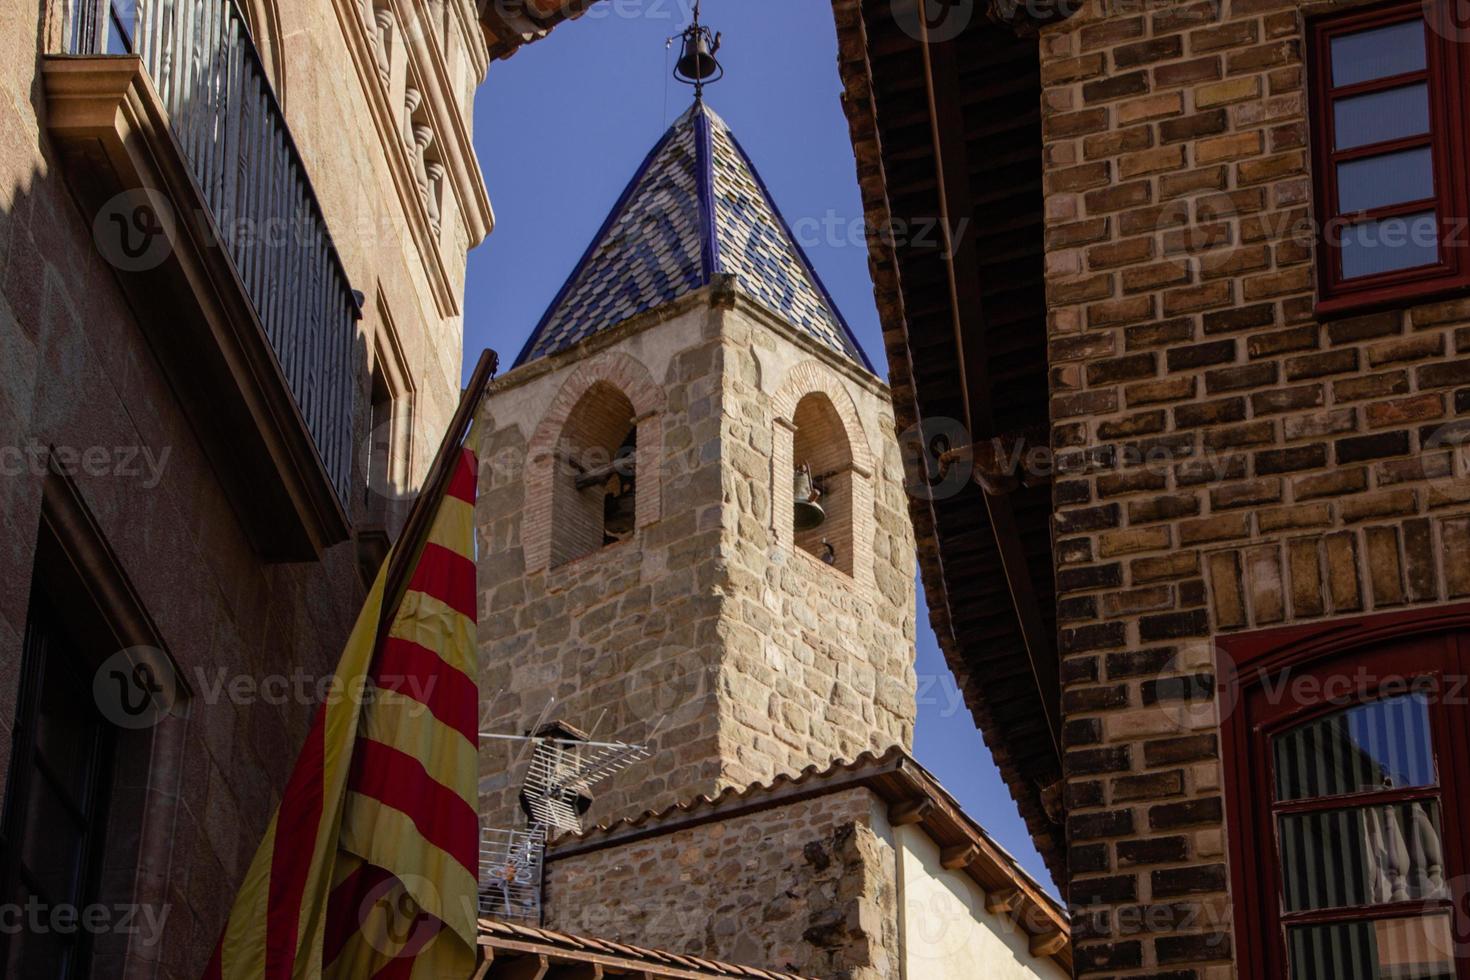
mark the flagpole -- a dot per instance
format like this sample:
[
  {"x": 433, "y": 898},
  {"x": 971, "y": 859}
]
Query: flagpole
[{"x": 421, "y": 515}]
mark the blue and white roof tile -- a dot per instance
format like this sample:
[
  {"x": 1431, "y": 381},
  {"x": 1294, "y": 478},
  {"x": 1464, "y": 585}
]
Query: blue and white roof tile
[{"x": 695, "y": 209}]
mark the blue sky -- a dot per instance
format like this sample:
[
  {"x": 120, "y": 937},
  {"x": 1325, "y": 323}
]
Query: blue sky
[{"x": 561, "y": 127}]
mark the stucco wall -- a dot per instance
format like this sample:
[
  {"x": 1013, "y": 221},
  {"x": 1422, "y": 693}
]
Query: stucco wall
[{"x": 947, "y": 933}]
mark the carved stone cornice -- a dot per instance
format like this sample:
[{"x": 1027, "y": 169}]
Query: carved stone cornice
[
  {"x": 468, "y": 185},
  {"x": 455, "y": 145},
  {"x": 509, "y": 24}
]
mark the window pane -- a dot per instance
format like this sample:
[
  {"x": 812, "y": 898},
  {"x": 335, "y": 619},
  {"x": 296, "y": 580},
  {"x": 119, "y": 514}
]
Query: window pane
[
  {"x": 1363, "y": 856},
  {"x": 1381, "y": 116},
  {"x": 1388, "y": 949},
  {"x": 52, "y": 849},
  {"x": 1389, "y": 245},
  {"x": 123, "y": 15},
  {"x": 1394, "y": 178},
  {"x": 1378, "y": 53},
  {"x": 1381, "y": 745},
  {"x": 41, "y": 955}
]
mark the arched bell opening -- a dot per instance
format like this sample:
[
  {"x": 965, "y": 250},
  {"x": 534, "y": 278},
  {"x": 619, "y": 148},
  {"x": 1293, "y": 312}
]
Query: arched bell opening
[
  {"x": 594, "y": 485},
  {"x": 822, "y": 483}
]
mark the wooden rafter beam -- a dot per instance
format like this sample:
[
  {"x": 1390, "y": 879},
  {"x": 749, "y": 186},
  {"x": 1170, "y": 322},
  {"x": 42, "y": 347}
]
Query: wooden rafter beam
[
  {"x": 1002, "y": 901},
  {"x": 1048, "y": 943},
  {"x": 910, "y": 811},
  {"x": 958, "y": 856}
]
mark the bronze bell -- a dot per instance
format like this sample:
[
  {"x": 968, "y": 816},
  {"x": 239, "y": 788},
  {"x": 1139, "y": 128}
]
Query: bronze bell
[
  {"x": 805, "y": 502},
  {"x": 697, "y": 63},
  {"x": 619, "y": 509}
]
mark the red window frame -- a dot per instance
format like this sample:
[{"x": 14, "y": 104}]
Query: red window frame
[
  {"x": 1448, "y": 76},
  {"x": 1391, "y": 649}
]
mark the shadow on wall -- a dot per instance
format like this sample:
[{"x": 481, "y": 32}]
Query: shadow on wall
[{"x": 107, "y": 499}]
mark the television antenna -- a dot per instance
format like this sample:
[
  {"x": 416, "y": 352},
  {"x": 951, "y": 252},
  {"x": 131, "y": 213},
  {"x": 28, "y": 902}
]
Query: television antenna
[{"x": 556, "y": 793}]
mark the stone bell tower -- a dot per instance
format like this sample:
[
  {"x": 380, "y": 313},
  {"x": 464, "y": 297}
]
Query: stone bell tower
[{"x": 646, "y": 572}]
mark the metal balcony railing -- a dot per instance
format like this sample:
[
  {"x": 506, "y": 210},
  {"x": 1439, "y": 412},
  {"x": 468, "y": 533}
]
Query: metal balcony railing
[{"x": 224, "y": 116}]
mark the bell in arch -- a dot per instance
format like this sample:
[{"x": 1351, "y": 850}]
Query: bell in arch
[
  {"x": 806, "y": 502},
  {"x": 619, "y": 508}
]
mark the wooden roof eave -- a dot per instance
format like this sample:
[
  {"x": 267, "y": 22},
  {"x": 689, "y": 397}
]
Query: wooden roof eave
[
  {"x": 913, "y": 797},
  {"x": 940, "y": 163}
]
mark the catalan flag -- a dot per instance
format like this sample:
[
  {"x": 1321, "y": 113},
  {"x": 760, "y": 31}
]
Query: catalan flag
[{"x": 368, "y": 869}]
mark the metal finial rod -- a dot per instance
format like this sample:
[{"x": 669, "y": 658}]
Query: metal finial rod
[{"x": 698, "y": 82}]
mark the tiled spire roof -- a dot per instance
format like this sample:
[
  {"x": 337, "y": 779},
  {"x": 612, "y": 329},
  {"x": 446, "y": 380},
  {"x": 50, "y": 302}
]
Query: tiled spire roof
[{"x": 696, "y": 208}]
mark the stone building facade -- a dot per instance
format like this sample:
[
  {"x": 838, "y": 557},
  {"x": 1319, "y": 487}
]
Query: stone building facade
[
  {"x": 1229, "y": 458},
  {"x": 649, "y": 574},
  {"x": 863, "y": 870},
  {"x": 826, "y": 867},
  {"x": 162, "y": 499},
  {"x": 706, "y": 630}
]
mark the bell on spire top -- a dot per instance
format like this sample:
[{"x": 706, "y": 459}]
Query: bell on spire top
[{"x": 697, "y": 65}]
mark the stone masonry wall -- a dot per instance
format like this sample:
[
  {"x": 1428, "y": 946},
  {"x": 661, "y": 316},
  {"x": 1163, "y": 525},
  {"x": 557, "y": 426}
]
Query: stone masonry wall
[
  {"x": 737, "y": 656},
  {"x": 1226, "y": 459},
  {"x": 623, "y": 642},
  {"x": 807, "y": 888},
  {"x": 77, "y": 373},
  {"x": 821, "y": 661}
]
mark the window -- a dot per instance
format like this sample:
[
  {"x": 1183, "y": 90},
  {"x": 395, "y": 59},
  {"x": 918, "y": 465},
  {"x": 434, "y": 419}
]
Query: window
[
  {"x": 389, "y": 446},
  {"x": 822, "y": 491},
  {"x": 123, "y": 15},
  {"x": 387, "y": 485},
  {"x": 1347, "y": 779},
  {"x": 55, "y": 801},
  {"x": 594, "y": 489},
  {"x": 1390, "y": 118},
  {"x": 101, "y": 26}
]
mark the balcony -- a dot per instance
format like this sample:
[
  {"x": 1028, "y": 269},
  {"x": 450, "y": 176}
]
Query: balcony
[{"x": 180, "y": 156}]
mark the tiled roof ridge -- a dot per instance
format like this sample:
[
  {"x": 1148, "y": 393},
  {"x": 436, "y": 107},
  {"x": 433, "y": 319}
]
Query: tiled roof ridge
[{"x": 657, "y": 957}]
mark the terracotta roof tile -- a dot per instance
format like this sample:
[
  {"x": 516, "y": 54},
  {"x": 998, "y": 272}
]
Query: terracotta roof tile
[{"x": 564, "y": 946}]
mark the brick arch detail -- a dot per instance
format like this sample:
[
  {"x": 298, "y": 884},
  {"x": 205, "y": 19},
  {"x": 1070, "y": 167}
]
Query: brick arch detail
[
  {"x": 630, "y": 377},
  {"x": 809, "y": 378}
]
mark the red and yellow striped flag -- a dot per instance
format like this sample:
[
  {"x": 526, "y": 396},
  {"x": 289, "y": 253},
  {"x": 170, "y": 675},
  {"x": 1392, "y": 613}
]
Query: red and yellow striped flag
[{"x": 368, "y": 869}]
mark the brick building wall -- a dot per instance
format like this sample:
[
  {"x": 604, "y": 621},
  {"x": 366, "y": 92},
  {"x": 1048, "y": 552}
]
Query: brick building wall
[
  {"x": 1225, "y": 459},
  {"x": 193, "y": 795},
  {"x": 708, "y": 634},
  {"x": 807, "y": 888}
]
